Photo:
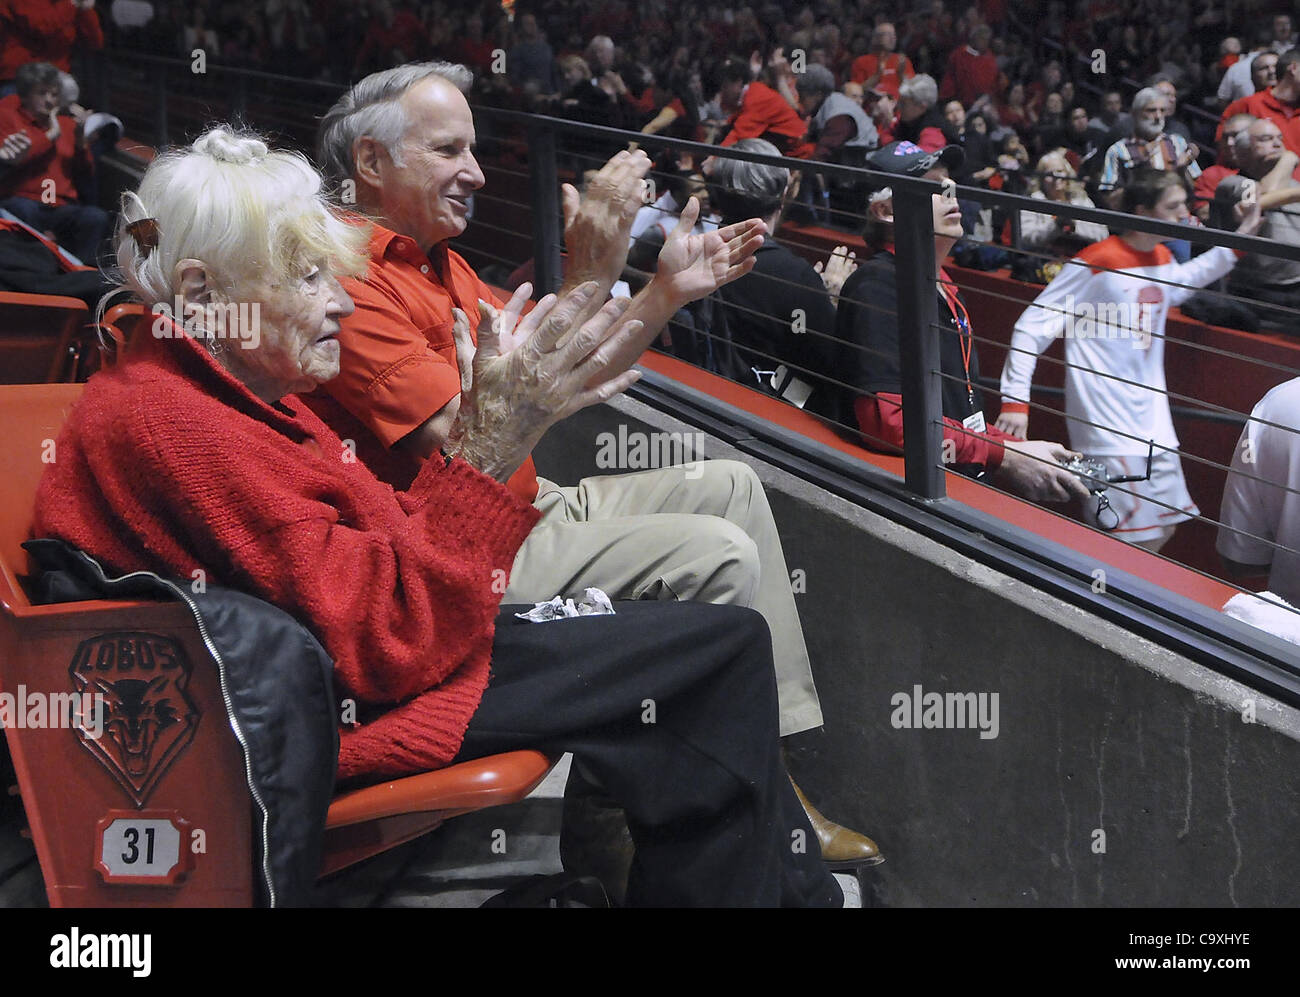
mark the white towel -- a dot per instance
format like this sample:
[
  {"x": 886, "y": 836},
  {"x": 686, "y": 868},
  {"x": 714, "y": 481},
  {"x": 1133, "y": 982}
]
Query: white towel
[{"x": 1267, "y": 612}]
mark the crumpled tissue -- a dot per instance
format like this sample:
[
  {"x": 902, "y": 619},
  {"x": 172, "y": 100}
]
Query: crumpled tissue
[{"x": 595, "y": 603}]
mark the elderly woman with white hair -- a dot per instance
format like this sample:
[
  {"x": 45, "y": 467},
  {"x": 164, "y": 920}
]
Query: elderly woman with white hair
[{"x": 193, "y": 453}]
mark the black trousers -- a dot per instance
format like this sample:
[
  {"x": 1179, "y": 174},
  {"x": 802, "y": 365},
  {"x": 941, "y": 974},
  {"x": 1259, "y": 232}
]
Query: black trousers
[{"x": 672, "y": 707}]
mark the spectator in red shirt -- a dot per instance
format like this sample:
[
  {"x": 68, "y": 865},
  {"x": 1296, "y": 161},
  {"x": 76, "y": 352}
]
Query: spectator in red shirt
[
  {"x": 41, "y": 183},
  {"x": 882, "y": 69},
  {"x": 884, "y": 113},
  {"x": 1049, "y": 81},
  {"x": 763, "y": 113},
  {"x": 972, "y": 69},
  {"x": 1013, "y": 112},
  {"x": 1280, "y": 103},
  {"x": 1230, "y": 52},
  {"x": 474, "y": 49},
  {"x": 45, "y": 31},
  {"x": 394, "y": 36}
]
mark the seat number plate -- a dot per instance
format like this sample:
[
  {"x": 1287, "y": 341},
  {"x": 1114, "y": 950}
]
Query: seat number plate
[{"x": 143, "y": 847}]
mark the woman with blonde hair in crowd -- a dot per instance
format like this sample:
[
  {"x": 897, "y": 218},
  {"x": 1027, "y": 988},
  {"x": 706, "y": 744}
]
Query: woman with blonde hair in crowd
[{"x": 1058, "y": 182}]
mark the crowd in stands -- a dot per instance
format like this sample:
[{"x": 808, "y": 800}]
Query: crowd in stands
[
  {"x": 1063, "y": 103},
  {"x": 1109, "y": 86}
]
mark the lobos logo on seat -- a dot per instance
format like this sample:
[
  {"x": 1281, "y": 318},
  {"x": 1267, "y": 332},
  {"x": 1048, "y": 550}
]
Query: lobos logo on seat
[{"x": 148, "y": 717}]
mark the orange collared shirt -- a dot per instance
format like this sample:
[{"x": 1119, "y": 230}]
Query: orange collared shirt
[{"x": 398, "y": 356}]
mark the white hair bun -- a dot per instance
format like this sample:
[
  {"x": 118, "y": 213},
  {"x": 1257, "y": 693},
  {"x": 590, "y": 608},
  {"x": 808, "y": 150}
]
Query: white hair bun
[{"x": 226, "y": 146}]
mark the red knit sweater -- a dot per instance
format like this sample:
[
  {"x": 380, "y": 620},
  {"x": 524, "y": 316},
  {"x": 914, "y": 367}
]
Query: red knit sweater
[{"x": 170, "y": 464}]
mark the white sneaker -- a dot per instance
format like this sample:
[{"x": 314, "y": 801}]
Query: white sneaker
[{"x": 851, "y": 888}]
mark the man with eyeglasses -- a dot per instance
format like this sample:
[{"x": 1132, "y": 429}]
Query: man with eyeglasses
[
  {"x": 1268, "y": 176},
  {"x": 1226, "y": 165}
]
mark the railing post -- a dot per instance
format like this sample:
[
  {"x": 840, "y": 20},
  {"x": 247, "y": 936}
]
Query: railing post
[
  {"x": 544, "y": 183},
  {"x": 160, "y": 105},
  {"x": 918, "y": 343}
]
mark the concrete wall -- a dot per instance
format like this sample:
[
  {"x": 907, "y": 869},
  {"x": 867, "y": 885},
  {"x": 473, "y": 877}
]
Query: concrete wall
[{"x": 1099, "y": 730}]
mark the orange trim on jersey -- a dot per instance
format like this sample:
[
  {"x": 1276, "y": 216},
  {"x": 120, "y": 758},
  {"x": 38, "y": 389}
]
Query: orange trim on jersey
[{"x": 1114, "y": 253}]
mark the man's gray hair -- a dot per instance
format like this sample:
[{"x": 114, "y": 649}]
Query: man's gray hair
[
  {"x": 749, "y": 189},
  {"x": 372, "y": 108},
  {"x": 1145, "y": 97},
  {"x": 816, "y": 80},
  {"x": 920, "y": 88}
]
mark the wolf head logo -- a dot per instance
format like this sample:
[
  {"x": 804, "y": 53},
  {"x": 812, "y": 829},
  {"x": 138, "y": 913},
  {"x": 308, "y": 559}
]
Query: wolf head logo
[{"x": 149, "y": 718}]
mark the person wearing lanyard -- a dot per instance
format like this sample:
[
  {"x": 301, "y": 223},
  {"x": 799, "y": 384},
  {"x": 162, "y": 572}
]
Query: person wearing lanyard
[{"x": 867, "y": 327}]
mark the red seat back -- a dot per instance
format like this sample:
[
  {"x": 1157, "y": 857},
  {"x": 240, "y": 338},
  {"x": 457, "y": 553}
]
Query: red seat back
[
  {"x": 154, "y": 811},
  {"x": 30, "y": 419},
  {"x": 69, "y": 792},
  {"x": 39, "y": 337}
]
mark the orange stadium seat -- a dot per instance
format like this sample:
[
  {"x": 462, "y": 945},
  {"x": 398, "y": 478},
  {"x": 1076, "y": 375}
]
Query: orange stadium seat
[
  {"x": 114, "y": 331},
  {"x": 40, "y": 337},
  {"x": 90, "y": 817}
]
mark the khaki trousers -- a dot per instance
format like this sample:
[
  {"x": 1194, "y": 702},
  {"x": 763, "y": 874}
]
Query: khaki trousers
[{"x": 698, "y": 532}]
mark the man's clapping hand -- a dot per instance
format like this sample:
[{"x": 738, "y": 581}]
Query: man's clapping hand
[
  {"x": 839, "y": 266},
  {"x": 693, "y": 266}
]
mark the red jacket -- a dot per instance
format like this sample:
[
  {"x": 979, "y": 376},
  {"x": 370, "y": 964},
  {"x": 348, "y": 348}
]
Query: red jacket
[
  {"x": 763, "y": 111},
  {"x": 880, "y": 420},
  {"x": 60, "y": 160},
  {"x": 44, "y": 31},
  {"x": 169, "y": 464}
]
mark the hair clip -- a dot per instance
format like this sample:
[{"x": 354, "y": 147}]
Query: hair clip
[{"x": 145, "y": 233}]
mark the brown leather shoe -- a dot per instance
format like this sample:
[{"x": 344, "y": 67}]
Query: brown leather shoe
[{"x": 841, "y": 848}]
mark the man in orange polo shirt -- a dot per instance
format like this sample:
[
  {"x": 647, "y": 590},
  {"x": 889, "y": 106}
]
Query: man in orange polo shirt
[
  {"x": 1280, "y": 103},
  {"x": 405, "y": 138}
]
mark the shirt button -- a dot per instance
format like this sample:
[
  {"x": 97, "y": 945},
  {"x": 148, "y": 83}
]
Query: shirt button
[{"x": 424, "y": 268}]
